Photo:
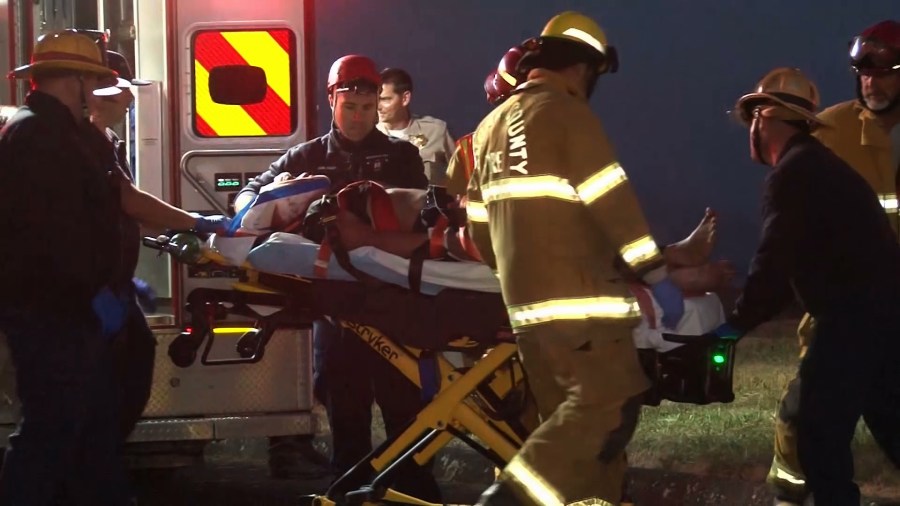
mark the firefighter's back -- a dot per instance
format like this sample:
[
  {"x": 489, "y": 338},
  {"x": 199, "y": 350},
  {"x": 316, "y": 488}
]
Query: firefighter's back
[{"x": 545, "y": 241}]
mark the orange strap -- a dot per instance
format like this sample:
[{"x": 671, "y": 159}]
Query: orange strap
[
  {"x": 320, "y": 268},
  {"x": 436, "y": 244},
  {"x": 462, "y": 235},
  {"x": 645, "y": 303},
  {"x": 468, "y": 148}
]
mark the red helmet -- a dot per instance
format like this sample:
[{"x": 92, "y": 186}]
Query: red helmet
[
  {"x": 500, "y": 83},
  {"x": 353, "y": 67},
  {"x": 508, "y": 66},
  {"x": 876, "y": 51}
]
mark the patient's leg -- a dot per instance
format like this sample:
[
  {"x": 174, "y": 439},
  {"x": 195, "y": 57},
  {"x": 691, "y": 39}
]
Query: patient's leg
[
  {"x": 704, "y": 278},
  {"x": 694, "y": 250}
]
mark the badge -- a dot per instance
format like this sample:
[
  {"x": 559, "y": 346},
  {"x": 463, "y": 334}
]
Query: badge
[
  {"x": 419, "y": 140},
  {"x": 376, "y": 162}
]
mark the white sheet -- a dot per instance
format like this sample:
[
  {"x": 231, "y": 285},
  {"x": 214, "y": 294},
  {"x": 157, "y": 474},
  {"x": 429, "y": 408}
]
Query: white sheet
[{"x": 293, "y": 254}]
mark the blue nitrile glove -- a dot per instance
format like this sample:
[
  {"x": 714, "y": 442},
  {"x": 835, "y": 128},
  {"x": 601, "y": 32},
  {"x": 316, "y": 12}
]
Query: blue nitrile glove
[
  {"x": 111, "y": 310},
  {"x": 146, "y": 295},
  {"x": 215, "y": 224},
  {"x": 671, "y": 300},
  {"x": 726, "y": 331}
]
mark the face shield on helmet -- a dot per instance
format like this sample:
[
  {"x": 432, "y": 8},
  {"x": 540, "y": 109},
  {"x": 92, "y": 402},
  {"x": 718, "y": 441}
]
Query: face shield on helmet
[{"x": 870, "y": 57}]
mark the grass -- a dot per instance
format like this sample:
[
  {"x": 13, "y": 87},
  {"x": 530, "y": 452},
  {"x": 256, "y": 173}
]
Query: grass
[
  {"x": 732, "y": 440},
  {"x": 736, "y": 439}
]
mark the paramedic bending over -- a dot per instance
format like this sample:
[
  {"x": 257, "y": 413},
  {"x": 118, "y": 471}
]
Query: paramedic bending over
[{"x": 348, "y": 375}]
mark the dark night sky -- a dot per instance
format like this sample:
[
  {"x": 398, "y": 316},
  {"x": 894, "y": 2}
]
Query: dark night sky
[{"x": 683, "y": 64}]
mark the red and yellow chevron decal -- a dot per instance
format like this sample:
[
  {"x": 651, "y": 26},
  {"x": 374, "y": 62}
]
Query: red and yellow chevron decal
[{"x": 273, "y": 51}]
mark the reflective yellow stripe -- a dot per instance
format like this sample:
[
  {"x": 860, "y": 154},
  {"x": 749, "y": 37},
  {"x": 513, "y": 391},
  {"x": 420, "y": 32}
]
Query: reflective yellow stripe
[
  {"x": 781, "y": 474},
  {"x": 577, "y": 308},
  {"x": 639, "y": 251},
  {"x": 528, "y": 479},
  {"x": 540, "y": 491},
  {"x": 601, "y": 182},
  {"x": 528, "y": 187},
  {"x": 259, "y": 49},
  {"x": 225, "y": 120},
  {"x": 476, "y": 211},
  {"x": 585, "y": 37},
  {"x": 889, "y": 202}
]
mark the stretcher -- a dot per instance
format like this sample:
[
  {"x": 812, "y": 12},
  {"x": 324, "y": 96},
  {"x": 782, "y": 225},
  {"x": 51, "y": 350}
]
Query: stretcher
[{"x": 450, "y": 306}]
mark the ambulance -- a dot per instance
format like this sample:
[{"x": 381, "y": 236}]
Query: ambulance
[{"x": 232, "y": 90}]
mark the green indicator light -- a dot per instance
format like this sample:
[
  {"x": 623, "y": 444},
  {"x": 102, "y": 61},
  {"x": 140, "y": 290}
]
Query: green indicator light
[{"x": 718, "y": 358}]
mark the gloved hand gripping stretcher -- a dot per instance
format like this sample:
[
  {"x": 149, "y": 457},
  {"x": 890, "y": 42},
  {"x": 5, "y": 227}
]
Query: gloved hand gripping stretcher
[{"x": 409, "y": 316}]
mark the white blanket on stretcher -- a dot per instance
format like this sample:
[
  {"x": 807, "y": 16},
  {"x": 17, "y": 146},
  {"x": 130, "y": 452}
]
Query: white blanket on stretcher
[{"x": 292, "y": 254}]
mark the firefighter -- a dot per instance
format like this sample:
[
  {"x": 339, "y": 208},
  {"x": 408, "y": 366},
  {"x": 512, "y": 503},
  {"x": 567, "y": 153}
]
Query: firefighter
[
  {"x": 348, "y": 374},
  {"x": 62, "y": 303},
  {"x": 860, "y": 135},
  {"x": 827, "y": 241},
  {"x": 498, "y": 85},
  {"x": 135, "y": 347},
  {"x": 551, "y": 209}
]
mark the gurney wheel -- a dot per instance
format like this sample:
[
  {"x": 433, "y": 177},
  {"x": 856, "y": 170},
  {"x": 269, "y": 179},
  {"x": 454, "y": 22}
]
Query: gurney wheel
[{"x": 183, "y": 351}]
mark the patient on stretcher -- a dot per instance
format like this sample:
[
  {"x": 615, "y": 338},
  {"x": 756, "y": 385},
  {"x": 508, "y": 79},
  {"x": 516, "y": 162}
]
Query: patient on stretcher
[
  {"x": 690, "y": 268},
  {"x": 400, "y": 221}
]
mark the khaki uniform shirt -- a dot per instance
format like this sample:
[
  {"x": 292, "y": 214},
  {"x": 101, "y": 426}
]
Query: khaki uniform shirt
[
  {"x": 435, "y": 145},
  {"x": 551, "y": 209}
]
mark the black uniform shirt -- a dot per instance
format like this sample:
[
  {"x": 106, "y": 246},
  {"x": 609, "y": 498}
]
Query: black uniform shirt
[
  {"x": 112, "y": 153},
  {"x": 825, "y": 238},
  {"x": 59, "y": 212},
  {"x": 386, "y": 160}
]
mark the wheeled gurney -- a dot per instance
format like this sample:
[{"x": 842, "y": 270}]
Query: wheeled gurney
[{"x": 451, "y": 306}]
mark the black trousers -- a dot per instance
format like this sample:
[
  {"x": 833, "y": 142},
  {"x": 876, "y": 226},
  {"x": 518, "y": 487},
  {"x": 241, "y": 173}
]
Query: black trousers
[
  {"x": 134, "y": 355},
  {"x": 349, "y": 377},
  {"x": 68, "y": 438},
  {"x": 848, "y": 372}
]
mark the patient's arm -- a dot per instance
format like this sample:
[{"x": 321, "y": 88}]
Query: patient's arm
[{"x": 355, "y": 233}]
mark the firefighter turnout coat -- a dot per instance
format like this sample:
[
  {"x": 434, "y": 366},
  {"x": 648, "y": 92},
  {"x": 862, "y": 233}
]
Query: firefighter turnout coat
[{"x": 551, "y": 208}]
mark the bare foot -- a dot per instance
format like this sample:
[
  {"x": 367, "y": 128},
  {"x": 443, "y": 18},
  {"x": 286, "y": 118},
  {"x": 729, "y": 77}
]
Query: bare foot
[{"x": 695, "y": 249}]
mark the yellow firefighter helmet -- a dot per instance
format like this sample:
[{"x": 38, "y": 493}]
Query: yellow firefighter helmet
[
  {"x": 64, "y": 50},
  {"x": 576, "y": 27},
  {"x": 789, "y": 95}
]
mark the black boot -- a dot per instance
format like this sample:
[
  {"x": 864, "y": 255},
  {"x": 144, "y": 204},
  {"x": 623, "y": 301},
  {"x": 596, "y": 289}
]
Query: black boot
[{"x": 295, "y": 457}]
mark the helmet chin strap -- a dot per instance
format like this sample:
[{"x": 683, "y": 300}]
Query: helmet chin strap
[
  {"x": 756, "y": 139},
  {"x": 591, "y": 83},
  {"x": 85, "y": 113}
]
